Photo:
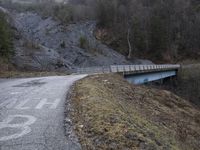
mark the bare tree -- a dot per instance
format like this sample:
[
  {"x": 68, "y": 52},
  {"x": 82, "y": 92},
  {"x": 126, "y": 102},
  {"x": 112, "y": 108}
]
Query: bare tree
[{"x": 129, "y": 43}]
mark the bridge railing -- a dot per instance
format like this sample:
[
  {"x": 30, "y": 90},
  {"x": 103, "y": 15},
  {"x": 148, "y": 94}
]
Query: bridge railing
[
  {"x": 138, "y": 68},
  {"x": 93, "y": 70},
  {"x": 126, "y": 69}
]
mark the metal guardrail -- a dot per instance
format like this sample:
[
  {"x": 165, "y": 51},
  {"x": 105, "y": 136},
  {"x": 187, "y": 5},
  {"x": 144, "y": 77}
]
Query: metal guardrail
[{"x": 126, "y": 69}]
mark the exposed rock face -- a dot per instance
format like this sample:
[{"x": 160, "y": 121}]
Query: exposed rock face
[{"x": 46, "y": 44}]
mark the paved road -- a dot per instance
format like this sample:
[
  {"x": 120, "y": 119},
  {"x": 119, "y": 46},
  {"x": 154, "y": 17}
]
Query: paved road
[{"x": 32, "y": 113}]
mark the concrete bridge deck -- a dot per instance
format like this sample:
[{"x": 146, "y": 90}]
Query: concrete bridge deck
[{"x": 127, "y": 69}]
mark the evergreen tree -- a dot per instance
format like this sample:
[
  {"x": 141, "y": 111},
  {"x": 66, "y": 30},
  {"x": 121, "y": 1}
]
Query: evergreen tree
[{"x": 6, "y": 49}]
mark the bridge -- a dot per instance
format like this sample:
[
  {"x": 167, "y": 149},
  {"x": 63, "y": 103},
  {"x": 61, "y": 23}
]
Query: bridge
[{"x": 137, "y": 74}]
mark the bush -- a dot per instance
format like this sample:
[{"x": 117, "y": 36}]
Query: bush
[
  {"x": 62, "y": 44},
  {"x": 83, "y": 42},
  {"x": 6, "y": 47}
]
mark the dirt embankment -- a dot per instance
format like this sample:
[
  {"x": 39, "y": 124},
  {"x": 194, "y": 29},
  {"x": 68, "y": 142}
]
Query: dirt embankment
[
  {"x": 7, "y": 70},
  {"x": 109, "y": 113}
]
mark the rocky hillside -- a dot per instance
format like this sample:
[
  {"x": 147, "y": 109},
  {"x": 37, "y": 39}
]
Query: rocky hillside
[
  {"x": 44, "y": 43},
  {"x": 50, "y": 45}
]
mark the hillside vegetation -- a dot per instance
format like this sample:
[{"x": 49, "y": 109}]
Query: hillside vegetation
[
  {"x": 185, "y": 85},
  {"x": 160, "y": 30},
  {"x": 109, "y": 113},
  {"x": 5, "y": 37},
  {"x": 6, "y": 45},
  {"x": 188, "y": 85}
]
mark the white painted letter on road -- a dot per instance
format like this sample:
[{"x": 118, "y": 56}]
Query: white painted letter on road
[
  {"x": 43, "y": 102},
  {"x": 22, "y": 105},
  {"x": 22, "y": 127},
  {"x": 9, "y": 103}
]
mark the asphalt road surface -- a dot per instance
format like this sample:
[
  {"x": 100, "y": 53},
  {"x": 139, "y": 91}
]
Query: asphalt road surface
[{"x": 32, "y": 113}]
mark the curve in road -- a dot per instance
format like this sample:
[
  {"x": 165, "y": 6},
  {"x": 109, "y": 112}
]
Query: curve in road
[{"x": 32, "y": 113}]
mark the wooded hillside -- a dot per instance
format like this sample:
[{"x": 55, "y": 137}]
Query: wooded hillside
[
  {"x": 160, "y": 30},
  {"x": 5, "y": 37},
  {"x": 166, "y": 30}
]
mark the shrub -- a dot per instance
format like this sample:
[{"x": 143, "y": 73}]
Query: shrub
[
  {"x": 6, "y": 48},
  {"x": 62, "y": 44},
  {"x": 83, "y": 42}
]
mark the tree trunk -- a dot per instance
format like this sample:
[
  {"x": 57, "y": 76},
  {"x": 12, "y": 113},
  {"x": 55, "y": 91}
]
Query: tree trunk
[{"x": 129, "y": 44}]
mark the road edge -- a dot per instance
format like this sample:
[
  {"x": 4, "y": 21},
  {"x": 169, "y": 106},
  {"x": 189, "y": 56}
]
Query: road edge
[{"x": 68, "y": 124}]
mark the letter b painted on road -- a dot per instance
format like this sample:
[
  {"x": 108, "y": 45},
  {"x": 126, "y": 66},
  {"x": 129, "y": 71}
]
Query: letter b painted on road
[{"x": 21, "y": 128}]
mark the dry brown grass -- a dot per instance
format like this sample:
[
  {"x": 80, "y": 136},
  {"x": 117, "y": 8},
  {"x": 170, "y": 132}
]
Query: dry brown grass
[
  {"x": 109, "y": 113},
  {"x": 7, "y": 70},
  {"x": 20, "y": 74}
]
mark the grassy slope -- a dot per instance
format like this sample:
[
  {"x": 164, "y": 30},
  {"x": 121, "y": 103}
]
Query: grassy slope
[
  {"x": 110, "y": 113},
  {"x": 7, "y": 70}
]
